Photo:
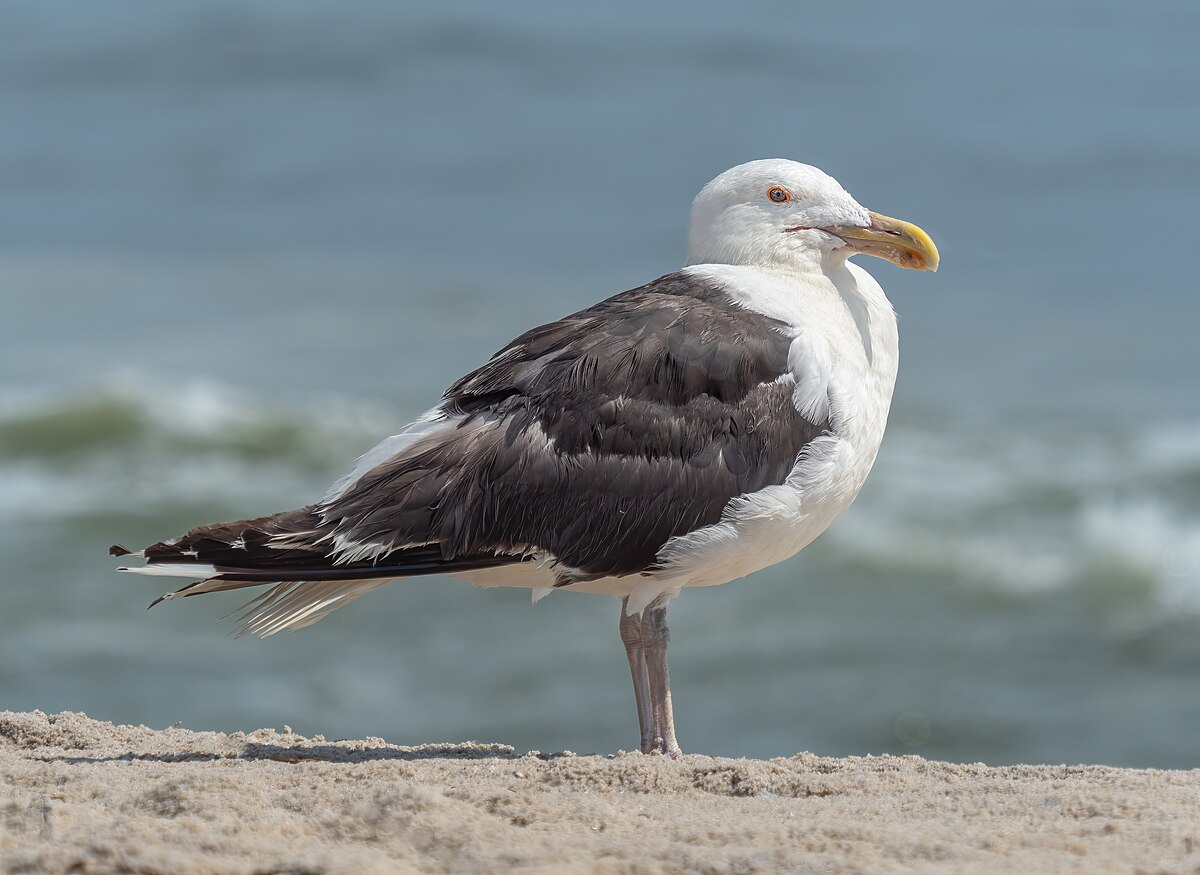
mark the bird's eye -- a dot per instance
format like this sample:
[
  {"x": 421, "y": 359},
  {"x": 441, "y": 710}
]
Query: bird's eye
[{"x": 778, "y": 194}]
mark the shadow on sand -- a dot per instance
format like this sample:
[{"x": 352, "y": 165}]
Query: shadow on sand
[{"x": 309, "y": 753}]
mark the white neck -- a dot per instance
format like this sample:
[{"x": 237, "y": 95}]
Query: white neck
[{"x": 801, "y": 251}]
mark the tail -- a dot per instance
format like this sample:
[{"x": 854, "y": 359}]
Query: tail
[{"x": 292, "y": 552}]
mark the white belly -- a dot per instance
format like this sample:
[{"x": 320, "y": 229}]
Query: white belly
[{"x": 765, "y": 527}]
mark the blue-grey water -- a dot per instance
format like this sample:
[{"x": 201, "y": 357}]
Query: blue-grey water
[{"x": 241, "y": 242}]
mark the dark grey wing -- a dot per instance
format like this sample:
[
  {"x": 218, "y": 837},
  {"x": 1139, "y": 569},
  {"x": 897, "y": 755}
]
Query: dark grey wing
[{"x": 596, "y": 438}]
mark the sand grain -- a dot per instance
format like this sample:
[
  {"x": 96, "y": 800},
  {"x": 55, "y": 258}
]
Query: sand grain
[{"x": 84, "y": 796}]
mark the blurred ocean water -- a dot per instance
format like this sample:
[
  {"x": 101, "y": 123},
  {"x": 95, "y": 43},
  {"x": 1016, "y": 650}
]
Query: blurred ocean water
[{"x": 241, "y": 243}]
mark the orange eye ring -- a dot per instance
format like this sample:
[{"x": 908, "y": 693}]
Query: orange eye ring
[{"x": 777, "y": 194}]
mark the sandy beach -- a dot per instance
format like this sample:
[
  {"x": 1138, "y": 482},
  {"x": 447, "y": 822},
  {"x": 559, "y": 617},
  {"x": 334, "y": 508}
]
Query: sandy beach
[{"x": 80, "y": 795}]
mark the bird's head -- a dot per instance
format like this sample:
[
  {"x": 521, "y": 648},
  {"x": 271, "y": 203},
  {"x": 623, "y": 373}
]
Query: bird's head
[{"x": 779, "y": 212}]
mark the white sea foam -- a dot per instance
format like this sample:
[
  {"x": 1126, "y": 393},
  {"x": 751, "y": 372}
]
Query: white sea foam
[{"x": 1037, "y": 513}]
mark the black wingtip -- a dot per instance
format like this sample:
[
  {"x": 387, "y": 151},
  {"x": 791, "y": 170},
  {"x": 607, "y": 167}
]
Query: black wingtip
[
  {"x": 118, "y": 550},
  {"x": 155, "y": 602}
]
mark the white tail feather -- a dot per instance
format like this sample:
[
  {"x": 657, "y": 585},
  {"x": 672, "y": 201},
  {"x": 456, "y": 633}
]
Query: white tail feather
[{"x": 195, "y": 570}]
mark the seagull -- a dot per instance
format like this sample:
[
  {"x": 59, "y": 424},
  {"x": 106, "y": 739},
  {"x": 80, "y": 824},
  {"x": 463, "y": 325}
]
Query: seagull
[{"x": 684, "y": 433}]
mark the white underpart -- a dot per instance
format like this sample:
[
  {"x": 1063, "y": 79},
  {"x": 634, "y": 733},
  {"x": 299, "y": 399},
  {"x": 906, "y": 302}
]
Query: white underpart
[{"x": 843, "y": 361}]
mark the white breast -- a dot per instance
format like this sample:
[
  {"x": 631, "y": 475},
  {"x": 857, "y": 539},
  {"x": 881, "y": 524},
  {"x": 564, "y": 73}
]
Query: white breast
[{"x": 843, "y": 356}]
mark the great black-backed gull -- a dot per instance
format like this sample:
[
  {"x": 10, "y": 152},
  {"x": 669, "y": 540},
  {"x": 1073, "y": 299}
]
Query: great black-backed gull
[{"x": 684, "y": 433}]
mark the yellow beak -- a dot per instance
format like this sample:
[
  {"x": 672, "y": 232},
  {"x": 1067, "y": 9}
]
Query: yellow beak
[{"x": 901, "y": 243}]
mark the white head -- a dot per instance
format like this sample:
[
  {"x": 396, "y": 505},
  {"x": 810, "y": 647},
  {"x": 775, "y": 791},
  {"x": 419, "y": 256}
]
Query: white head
[{"x": 785, "y": 214}]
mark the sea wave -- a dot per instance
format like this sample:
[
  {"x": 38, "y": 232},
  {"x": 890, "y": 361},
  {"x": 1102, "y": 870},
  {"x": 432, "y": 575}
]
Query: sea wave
[
  {"x": 1025, "y": 514},
  {"x": 133, "y": 445},
  {"x": 1039, "y": 511}
]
